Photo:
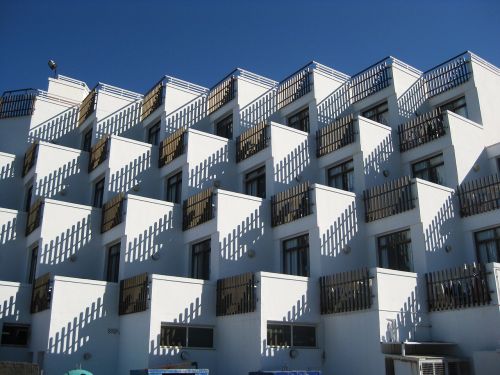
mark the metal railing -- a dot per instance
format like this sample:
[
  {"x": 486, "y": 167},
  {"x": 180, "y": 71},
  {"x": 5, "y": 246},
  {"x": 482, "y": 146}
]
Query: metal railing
[
  {"x": 334, "y": 136},
  {"x": 448, "y": 75},
  {"x": 87, "y": 107},
  {"x": 34, "y": 218},
  {"x": 112, "y": 212},
  {"x": 152, "y": 100},
  {"x": 420, "y": 130},
  {"x": 41, "y": 294},
  {"x": 171, "y": 147},
  {"x": 460, "y": 287},
  {"x": 198, "y": 209},
  {"x": 221, "y": 94},
  {"x": 291, "y": 204},
  {"x": 134, "y": 294},
  {"x": 17, "y": 103},
  {"x": 294, "y": 87},
  {"x": 236, "y": 295},
  {"x": 98, "y": 153},
  {"x": 371, "y": 80},
  {"x": 346, "y": 291},
  {"x": 479, "y": 196},
  {"x": 252, "y": 141},
  {"x": 30, "y": 158}
]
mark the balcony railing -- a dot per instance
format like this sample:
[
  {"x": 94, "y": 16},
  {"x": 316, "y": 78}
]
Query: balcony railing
[
  {"x": 294, "y": 87},
  {"x": 291, "y": 204},
  {"x": 346, "y": 291},
  {"x": 171, "y": 147},
  {"x": 456, "y": 288},
  {"x": 236, "y": 295},
  {"x": 420, "y": 130},
  {"x": 389, "y": 199},
  {"x": 371, "y": 80},
  {"x": 98, "y": 153},
  {"x": 34, "y": 216},
  {"x": 198, "y": 209},
  {"x": 448, "y": 75},
  {"x": 87, "y": 107},
  {"x": 334, "y": 136},
  {"x": 152, "y": 100},
  {"x": 112, "y": 212},
  {"x": 17, "y": 103},
  {"x": 479, "y": 196},
  {"x": 221, "y": 94},
  {"x": 41, "y": 294},
  {"x": 30, "y": 158},
  {"x": 134, "y": 294},
  {"x": 252, "y": 141}
]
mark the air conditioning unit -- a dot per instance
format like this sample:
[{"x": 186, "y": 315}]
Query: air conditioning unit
[{"x": 423, "y": 365}]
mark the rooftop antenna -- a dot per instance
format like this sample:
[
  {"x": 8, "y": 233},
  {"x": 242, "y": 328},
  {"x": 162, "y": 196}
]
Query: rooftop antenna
[{"x": 53, "y": 66}]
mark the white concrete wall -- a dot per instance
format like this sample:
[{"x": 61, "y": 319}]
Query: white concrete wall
[
  {"x": 13, "y": 253},
  {"x": 123, "y": 121},
  {"x": 10, "y": 181},
  {"x": 67, "y": 87}
]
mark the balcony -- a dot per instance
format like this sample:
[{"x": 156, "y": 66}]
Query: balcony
[
  {"x": 291, "y": 204},
  {"x": 448, "y": 75},
  {"x": 421, "y": 130},
  {"x": 198, "y": 209},
  {"x": 30, "y": 158},
  {"x": 252, "y": 141},
  {"x": 171, "y": 147},
  {"x": 88, "y": 106},
  {"x": 41, "y": 294},
  {"x": 294, "y": 87},
  {"x": 134, "y": 294},
  {"x": 236, "y": 295},
  {"x": 152, "y": 100},
  {"x": 222, "y": 93},
  {"x": 17, "y": 103},
  {"x": 34, "y": 216},
  {"x": 371, "y": 80},
  {"x": 112, "y": 212},
  {"x": 98, "y": 153},
  {"x": 335, "y": 136},
  {"x": 389, "y": 199},
  {"x": 479, "y": 196}
]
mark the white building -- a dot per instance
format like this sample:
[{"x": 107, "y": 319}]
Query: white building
[{"x": 325, "y": 222}]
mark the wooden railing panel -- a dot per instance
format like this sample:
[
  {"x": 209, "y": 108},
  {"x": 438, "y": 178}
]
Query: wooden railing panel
[
  {"x": 87, "y": 107},
  {"x": 17, "y": 103},
  {"x": 334, "y": 136},
  {"x": 236, "y": 295},
  {"x": 30, "y": 158},
  {"x": 252, "y": 141},
  {"x": 112, "y": 212},
  {"x": 294, "y": 88},
  {"x": 134, "y": 294},
  {"x": 34, "y": 218},
  {"x": 171, "y": 147},
  {"x": 420, "y": 130},
  {"x": 41, "y": 294},
  {"x": 479, "y": 196},
  {"x": 221, "y": 94},
  {"x": 198, "y": 209},
  {"x": 291, "y": 204},
  {"x": 98, "y": 153},
  {"x": 152, "y": 100}
]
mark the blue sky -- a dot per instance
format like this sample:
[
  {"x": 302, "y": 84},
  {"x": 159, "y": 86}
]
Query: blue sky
[{"x": 132, "y": 44}]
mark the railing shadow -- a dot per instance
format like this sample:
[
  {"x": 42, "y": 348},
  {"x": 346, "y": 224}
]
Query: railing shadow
[
  {"x": 56, "y": 127},
  {"x": 187, "y": 115},
  {"x": 290, "y": 168},
  {"x": 334, "y": 105},
  {"x": 120, "y": 122},
  {"x": 211, "y": 169},
  {"x": 7, "y": 171},
  {"x": 440, "y": 230},
  {"x": 9, "y": 231},
  {"x": 412, "y": 99},
  {"x": 260, "y": 110},
  {"x": 57, "y": 181},
  {"x": 131, "y": 175},
  {"x": 341, "y": 233},
  {"x": 379, "y": 160}
]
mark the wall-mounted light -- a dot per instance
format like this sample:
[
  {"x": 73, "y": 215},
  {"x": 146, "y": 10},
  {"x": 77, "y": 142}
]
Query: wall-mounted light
[
  {"x": 448, "y": 248},
  {"x": 346, "y": 249},
  {"x": 73, "y": 258},
  {"x": 136, "y": 188},
  {"x": 156, "y": 256},
  {"x": 251, "y": 253},
  {"x": 63, "y": 192},
  {"x": 87, "y": 356},
  {"x": 294, "y": 353},
  {"x": 217, "y": 183},
  {"x": 386, "y": 173},
  {"x": 476, "y": 167},
  {"x": 185, "y": 355}
]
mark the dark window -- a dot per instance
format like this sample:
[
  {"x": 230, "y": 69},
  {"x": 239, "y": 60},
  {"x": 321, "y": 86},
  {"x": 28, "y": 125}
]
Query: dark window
[
  {"x": 98, "y": 193},
  {"x": 378, "y": 113},
  {"x": 87, "y": 140},
  {"x": 431, "y": 169},
  {"x": 200, "y": 262},
  {"x": 498, "y": 165},
  {"x": 33, "y": 264},
  {"x": 113, "y": 263},
  {"x": 15, "y": 334},
  {"x": 291, "y": 335},
  {"x": 173, "y": 336},
  {"x": 174, "y": 188},
  {"x": 341, "y": 176},
  {"x": 186, "y": 336},
  {"x": 295, "y": 256},
  {"x": 394, "y": 251},
  {"x": 154, "y": 134},
  {"x": 224, "y": 128},
  {"x": 255, "y": 182},
  {"x": 29, "y": 194},
  {"x": 457, "y": 106},
  {"x": 488, "y": 245},
  {"x": 200, "y": 337},
  {"x": 300, "y": 120}
]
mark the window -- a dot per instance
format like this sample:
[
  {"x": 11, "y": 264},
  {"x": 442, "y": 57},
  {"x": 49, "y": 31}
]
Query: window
[
  {"x": 295, "y": 256},
  {"x": 488, "y": 245},
  {"x": 300, "y": 120},
  {"x": 113, "y": 263},
  {"x": 457, "y": 106},
  {"x": 341, "y": 176},
  {"x": 498, "y": 165},
  {"x": 255, "y": 182},
  {"x": 174, "y": 188},
  {"x": 224, "y": 128},
  {"x": 394, "y": 251},
  {"x": 15, "y": 334},
  {"x": 291, "y": 335},
  {"x": 87, "y": 140},
  {"x": 33, "y": 264},
  {"x": 154, "y": 134},
  {"x": 431, "y": 169},
  {"x": 200, "y": 260},
  {"x": 29, "y": 194},
  {"x": 186, "y": 336},
  {"x": 378, "y": 113},
  {"x": 98, "y": 193}
]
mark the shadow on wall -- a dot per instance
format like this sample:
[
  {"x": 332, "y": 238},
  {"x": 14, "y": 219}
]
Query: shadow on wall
[
  {"x": 339, "y": 235},
  {"x": 412, "y": 99},
  {"x": 121, "y": 121},
  {"x": 260, "y": 110},
  {"x": 131, "y": 175},
  {"x": 61, "y": 179},
  {"x": 438, "y": 232},
  {"x": 380, "y": 159},
  {"x": 56, "y": 127},
  {"x": 334, "y": 105},
  {"x": 7, "y": 171},
  {"x": 292, "y": 165},
  {"x": 10, "y": 308},
  {"x": 187, "y": 115},
  {"x": 210, "y": 169},
  {"x": 8, "y": 232}
]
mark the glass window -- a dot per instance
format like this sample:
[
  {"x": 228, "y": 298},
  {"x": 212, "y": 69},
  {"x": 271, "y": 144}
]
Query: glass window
[
  {"x": 341, "y": 176},
  {"x": 174, "y": 188},
  {"x": 187, "y": 336},
  {"x": 87, "y": 140},
  {"x": 378, "y": 113},
  {"x": 200, "y": 262},
  {"x": 15, "y": 334},
  {"x": 33, "y": 264},
  {"x": 224, "y": 128},
  {"x": 29, "y": 194},
  {"x": 113, "y": 263},
  {"x": 199, "y": 337},
  {"x": 458, "y": 106},
  {"x": 154, "y": 134},
  {"x": 291, "y": 335},
  {"x": 173, "y": 336},
  {"x": 255, "y": 182},
  {"x": 394, "y": 251},
  {"x": 304, "y": 336},
  {"x": 431, "y": 169},
  {"x": 300, "y": 120},
  {"x": 295, "y": 256},
  {"x": 488, "y": 245},
  {"x": 279, "y": 335},
  {"x": 98, "y": 193}
]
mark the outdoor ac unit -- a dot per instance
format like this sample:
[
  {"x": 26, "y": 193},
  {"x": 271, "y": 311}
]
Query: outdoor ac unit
[{"x": 421, "y": 365}]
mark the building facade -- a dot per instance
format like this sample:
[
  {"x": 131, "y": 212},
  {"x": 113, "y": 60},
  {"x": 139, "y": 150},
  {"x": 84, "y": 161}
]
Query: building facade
[{"x": 348, "y": 224}]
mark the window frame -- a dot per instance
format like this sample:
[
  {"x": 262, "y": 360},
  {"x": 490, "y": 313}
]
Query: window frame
[
  {"x": 431, "y": 170},
  {"x": 260, "y": 177},
  {"x": 154, "y": 131},
  {"x": 178, "y": 187},
  {"x": 33, "y": 263},
  {"x": 344, "y": 173},
  {"x": 391, "y": 246},
  {"x": 224, "y": 126},
  {"x": 454, "y": 108},
  {"x": 95, "y": 192},
  {"x": 109, "y": 272},
  {"x": 87, "y": 140},
  {"x": 28, "y": 198},
  {"x": 187, "y": 328},
  {"x": 291, "y": 327},
  {"x": 376, "y": 116},
  {"x": 205, "y": 256},
  {"x": 495, "y": 240},
  {"x": 300, "y": 251},
  {"x": 25, "y": 327},
  {"x": 303, "y": 123}
]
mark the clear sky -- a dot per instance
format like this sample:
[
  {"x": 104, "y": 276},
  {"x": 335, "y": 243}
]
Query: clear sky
[{"x": 132, "y": 44}]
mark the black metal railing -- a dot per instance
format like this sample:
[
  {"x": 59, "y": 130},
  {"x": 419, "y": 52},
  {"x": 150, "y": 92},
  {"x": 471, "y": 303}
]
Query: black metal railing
[
  {"x": 294, "y": 87},
  {"x": 152, "y": 100},
  {"x": 346, "y": 291},
  {"x": 236, "y": 295},
  {"x": 30, "y": 158},
  {"x": 41, "y": 294},
  {"x": 98, "y": 153},
  {"x": 134, "y": 294},
  {"x": 221, "y": 94},
  {"x": 334, "y": 136},
  {"x": 34, "y": 218},
  {"x": 291, "y": 204},
  {"x": 87, "y": 107},
  {"x": 252, "y": 141},
  {"x": 420, "y": 130},
  {"x": 17, "y": 103},
  {"x": 112, "y": 212},
  {"x": 371, "y": 80},
  {"x": 447, "y": 75},
  {"x": 478, "y": 196},
  {"x": 389, "y": 199},
  {"x": 460, "y": 287},
  {"x": 198, "y": 209},
  {"x": 171, "y": 147}
]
